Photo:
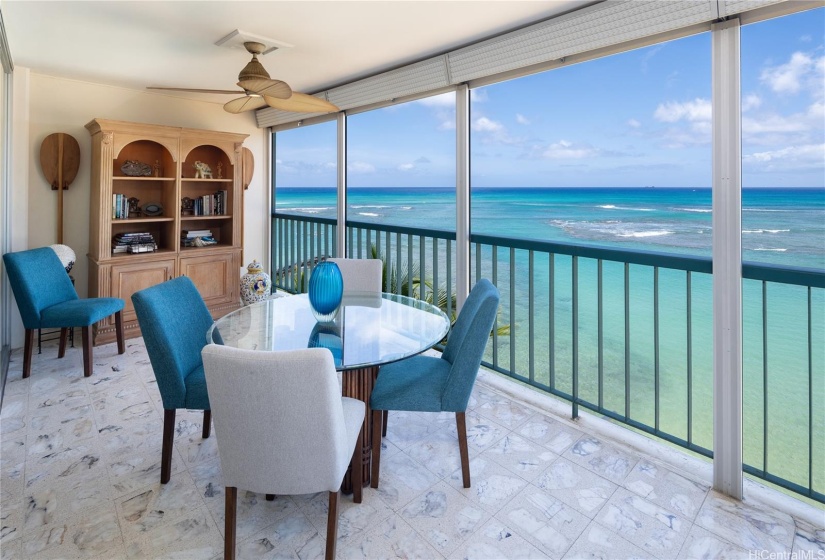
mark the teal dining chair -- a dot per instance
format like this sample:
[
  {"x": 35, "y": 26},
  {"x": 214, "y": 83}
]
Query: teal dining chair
[
  {"x": 47, "y": 299},
  {"x": 438, "y": 384},
  {"x": 173, "y": 320}
]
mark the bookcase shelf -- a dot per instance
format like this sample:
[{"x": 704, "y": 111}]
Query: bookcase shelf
[
  {"x": 172, "y": 153},
  {"x": 141, "y": 220}
]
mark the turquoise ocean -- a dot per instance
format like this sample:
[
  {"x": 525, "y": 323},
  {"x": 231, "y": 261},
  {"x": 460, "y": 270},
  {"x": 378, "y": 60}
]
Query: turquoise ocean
[{"x": 783, "y": 227}]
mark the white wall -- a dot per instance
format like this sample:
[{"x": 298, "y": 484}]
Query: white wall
[{"x": 62, "y": 105}]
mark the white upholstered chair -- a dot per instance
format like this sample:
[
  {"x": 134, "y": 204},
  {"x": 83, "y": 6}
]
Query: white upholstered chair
[
  {"x": 282, "y": 427},
  {"x": 360, "y": 275}
]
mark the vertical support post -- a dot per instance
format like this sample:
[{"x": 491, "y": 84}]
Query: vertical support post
[
  {"x": 341, "y": 228},
  {"x": 462, "y": 194},
  {"x": 727, "y": 260}
]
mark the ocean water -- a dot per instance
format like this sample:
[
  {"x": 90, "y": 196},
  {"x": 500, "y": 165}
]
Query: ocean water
[{"x": 784, "y": 227}]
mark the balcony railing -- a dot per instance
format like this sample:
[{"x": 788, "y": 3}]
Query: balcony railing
[{"x": 626, "y": 334}]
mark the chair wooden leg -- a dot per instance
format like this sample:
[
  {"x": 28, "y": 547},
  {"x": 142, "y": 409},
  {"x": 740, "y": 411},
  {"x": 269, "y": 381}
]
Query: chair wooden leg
[
  {"x": 376, "y": 447},
  {"x": 121, "y": 346},
  {"x": 207, "y": 423},
  {"x": 166, "y": 450},
  {"x": 461, "y": 426},
  {"x": 332, "y": 526},
  {"x": 28, "y": 342},
  {"x": 87, "y": 351},
  {"x": 230, "y": 523},
  {"x": 270, "y": 497},
  {"x": 64, "y": 334},
  {"x": 384, "y": 424},
  {"x": 357, "y": 465}
]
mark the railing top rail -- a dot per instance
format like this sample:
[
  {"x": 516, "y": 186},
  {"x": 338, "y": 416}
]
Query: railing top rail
[
  {"x": 304, "y": 218},
  {"x": 647, "y": 258},
  {"x": 784, "y": 274}
]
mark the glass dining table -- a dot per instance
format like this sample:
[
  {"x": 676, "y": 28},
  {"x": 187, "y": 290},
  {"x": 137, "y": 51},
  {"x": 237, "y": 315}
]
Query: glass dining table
[{"x": 370, "y": 329}]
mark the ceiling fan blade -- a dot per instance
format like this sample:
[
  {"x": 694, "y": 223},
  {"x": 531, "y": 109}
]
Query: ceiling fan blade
[
  {"x": 227, "y": 91},
  {"x": 242, "y": 104},
  {"x": 272, "y": 88},
  {"x": 301, "y": 103}
]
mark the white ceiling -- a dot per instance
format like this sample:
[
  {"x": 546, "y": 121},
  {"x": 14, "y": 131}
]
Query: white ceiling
[{"x": 165, "y": 43}]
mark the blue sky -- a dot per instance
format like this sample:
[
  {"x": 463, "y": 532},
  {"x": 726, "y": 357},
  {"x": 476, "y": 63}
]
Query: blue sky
[{"x": 635, "y": 119}]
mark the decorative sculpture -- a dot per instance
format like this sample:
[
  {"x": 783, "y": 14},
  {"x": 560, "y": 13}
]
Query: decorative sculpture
[{"x": 202, "y": 171}]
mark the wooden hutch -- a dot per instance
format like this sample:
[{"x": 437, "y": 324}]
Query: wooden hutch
[{"x": 171, "y": 154}]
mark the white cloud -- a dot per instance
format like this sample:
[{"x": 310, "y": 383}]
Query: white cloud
[
  {"x": 564, "y": 149},
  {"x": 448, "y": 124},
  {"x": 789, "y": 77},
  {"x": 478, "y": 95},
  {"x": 633, "y": 123},
  {"x": 767, "y": 124},
  {"x": 806, "y": 155},
  {"x": 521, "y": 119},
  {"x": 751, "y": 101},
  {"x": 483, "y": 124},
  {"x": 406, "y": 166},
  {"x": 442, "y": 100},
  {"x": 697, "y": 110},
  {"x": 360, "y": 167}
]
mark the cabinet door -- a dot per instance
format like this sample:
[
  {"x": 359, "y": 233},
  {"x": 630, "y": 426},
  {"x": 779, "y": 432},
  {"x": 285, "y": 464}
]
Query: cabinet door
[
  {"x": 216, "y": 277},
  {"x": 133, "y": 277}
]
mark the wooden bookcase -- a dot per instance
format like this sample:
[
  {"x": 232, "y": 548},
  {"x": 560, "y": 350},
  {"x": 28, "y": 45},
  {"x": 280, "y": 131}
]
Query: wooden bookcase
[{"x": 172, "y": 153}]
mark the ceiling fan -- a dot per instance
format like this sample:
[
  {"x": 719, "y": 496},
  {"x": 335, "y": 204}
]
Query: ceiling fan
[{"x": 259, "y": 90}]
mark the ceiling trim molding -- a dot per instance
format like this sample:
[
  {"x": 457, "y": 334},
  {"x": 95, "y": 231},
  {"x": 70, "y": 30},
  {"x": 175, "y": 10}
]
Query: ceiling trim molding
[{"x": 592, "y": 31}]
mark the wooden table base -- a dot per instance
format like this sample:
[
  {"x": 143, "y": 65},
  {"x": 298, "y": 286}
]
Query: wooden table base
[{"x": 358, "y": 384}]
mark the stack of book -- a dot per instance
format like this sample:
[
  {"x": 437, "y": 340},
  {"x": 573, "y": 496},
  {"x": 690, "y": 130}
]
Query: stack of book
[
  {"x": 141, "y": 242},
  {"x": 120, "y": 206},
  {"x": 211, "y": 204},
  {"x": 197, "y": 238}
]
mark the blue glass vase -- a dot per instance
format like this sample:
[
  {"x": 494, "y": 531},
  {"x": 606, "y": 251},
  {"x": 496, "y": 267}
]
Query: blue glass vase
[{"x": 326, "y": 287}]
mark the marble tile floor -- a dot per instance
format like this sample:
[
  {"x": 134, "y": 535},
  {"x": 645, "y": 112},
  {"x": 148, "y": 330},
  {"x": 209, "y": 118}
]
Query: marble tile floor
[{"x": 80, "y": 466}]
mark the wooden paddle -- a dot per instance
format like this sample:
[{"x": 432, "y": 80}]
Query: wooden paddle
[
  {"x": 247, "y": 170},
  {"x": 59, "y": 160},
  {"x": 247, "y": 167}
]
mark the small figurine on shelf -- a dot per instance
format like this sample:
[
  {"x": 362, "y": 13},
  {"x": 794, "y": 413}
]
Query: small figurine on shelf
[
  {"x": 187, "y": 206},
  {"x": 134, "y": 207},
  {"x": 156, "y": 167},
  {"x": 202, "y": 171},
  {"x": 220, "y": 170}
]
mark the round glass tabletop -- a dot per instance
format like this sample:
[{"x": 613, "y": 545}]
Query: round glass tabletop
[{"x": 370, "y": 329}]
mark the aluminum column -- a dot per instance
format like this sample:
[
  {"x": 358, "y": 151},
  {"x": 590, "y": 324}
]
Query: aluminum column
[
  {"x": 727, "y": 260},
  {"x": 341, "y": 214},
  {"x": 462, "y": 194}
]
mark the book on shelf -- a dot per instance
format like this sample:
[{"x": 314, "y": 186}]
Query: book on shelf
[
  {"x": 195, "y": 232},
  {"x": 210, "y": 204},
  {"x": 134, "y": 242}
]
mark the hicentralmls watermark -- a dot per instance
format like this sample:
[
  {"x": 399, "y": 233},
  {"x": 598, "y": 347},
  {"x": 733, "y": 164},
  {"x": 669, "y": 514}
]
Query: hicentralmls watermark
[{"x": 796, "y": 555}]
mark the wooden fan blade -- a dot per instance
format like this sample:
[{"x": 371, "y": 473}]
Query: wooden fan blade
[
  {"x": 227, "y": 91},
  {"x": 301, "y": 103},
  {"x": 244, "y": 104},
  {"x": 272, "y": 88}
]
